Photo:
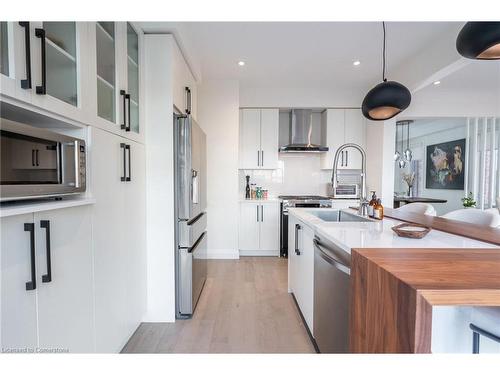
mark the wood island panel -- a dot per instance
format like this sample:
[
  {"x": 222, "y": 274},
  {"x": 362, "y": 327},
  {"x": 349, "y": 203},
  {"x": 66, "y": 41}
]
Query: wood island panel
[{"x": 393, "y": 291}]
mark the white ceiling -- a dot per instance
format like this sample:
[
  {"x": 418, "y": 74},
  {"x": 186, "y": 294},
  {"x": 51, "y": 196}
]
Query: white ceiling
[
  {"x": 477, "y": 75},
  {"x": 300, "y": 54}
]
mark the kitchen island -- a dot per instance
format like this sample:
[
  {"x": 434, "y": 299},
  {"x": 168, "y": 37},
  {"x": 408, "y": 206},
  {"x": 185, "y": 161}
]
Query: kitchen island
[{"x": 395, "y": 284}]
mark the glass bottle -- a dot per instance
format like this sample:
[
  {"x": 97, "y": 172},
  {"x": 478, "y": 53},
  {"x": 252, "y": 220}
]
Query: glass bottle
[
  {"x": 372, "y": 203},
  {"x": 378, "y": 210}
]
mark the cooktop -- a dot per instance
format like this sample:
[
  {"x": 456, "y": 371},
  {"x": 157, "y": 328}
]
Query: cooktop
[{"x": 303, "y": 197}]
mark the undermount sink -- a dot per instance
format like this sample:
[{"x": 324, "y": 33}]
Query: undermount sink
[{"x": 337, "y": 216}]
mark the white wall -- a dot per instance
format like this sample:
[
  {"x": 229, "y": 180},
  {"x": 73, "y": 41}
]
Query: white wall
[
  {"x": 218, "y": 115},
  {"x": 158, "y": 107}
]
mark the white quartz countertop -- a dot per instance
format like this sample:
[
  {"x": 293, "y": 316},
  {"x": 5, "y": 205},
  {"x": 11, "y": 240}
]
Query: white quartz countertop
[{"x": 376, "y": 233}]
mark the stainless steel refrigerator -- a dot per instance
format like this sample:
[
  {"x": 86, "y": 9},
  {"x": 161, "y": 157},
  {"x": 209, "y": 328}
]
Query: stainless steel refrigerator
[{"x": 190, "y": 213}]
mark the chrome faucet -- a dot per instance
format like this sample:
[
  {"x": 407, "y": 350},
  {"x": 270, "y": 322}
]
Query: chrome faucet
[{"x": 363, "y": 204}]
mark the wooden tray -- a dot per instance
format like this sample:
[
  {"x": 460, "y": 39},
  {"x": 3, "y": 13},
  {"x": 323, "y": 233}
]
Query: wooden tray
[{"x": 411, "y": 230}]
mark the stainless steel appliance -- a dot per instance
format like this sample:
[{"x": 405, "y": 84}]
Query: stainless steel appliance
[
  {"x": 332, "y": 269},
  {"x": 38, "y": 163},
  {"x": 288, "y": 201},
  {"x": 301, "y": 132},
  {"x": 190, "y": 213},
  {"x": 347, "y": 191}
]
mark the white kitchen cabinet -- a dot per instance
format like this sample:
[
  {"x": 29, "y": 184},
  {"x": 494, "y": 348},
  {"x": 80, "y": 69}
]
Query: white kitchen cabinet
[
  {"x": 66, "y": 303},
  {"x": 301, "y": 267},
  {"x": 343, "y": 126},
  {"x": 118, "y": 238},
  {"x": 47, "y": 303},
  {"x": 116, "y": 55},
  {"x": 18, "y": 305},
  {"x": 249, "y": 145},
  {"x": 259, "y": 138},
  {"x": 15, "y": 81},
  {"x": 60, "y": 68},
  {"x": 184, "y": 84},
  {"x": 259, "y": 228}
]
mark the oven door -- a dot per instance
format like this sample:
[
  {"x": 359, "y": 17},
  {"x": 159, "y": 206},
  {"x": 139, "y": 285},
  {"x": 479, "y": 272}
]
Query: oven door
[{"x": 37, "y": 163}]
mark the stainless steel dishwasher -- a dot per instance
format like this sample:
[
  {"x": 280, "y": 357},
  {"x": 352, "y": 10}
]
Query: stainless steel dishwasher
[{"x": 331, "y": 297}]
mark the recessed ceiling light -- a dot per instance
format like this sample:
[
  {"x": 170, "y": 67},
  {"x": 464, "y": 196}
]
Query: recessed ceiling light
[
  {"x": 356, "y": 63},
  {"x": 436, "y": 83},
  {"x": 241, "y": 63}
]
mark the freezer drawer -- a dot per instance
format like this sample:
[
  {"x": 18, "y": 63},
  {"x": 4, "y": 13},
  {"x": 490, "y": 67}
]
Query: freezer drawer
[
  {"x": 193, "y": 274},
  {"x": 191, "y": 230}
]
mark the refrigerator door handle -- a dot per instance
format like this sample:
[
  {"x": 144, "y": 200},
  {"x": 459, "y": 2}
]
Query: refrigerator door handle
[{"x": 195, "y": 187}]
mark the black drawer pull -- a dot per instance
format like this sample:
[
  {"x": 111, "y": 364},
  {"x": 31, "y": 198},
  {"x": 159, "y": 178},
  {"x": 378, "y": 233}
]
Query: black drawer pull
[
  {"x": 127, "y": 96},
  {"x": 47, "y": 278},
  {"x": 42, "y": 90},
  {"x": 124, "y": 177},
  {"x": 124, "y": 124},
  {"x": 30, "y": 227},
  {"x": 26, "y": 83},
  {"x": 129, "y": 178}
]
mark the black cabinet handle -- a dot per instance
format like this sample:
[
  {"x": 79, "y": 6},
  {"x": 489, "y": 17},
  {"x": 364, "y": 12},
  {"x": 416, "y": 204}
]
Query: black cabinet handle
[
  {"x": 42, "y": 90},
  {"x": 124, "y": 177},
  {"x": 127, "y": 96},
  {"x": 262, "y": 159},
  {"x": 26, "y": 83},
  {"x": 32, "y": 158},
  {"x": 124, "y": 124},
  {"x": 297, "y": 228},
  {"x": 36, "y": 158},
  {"x": 257, "y": 207},
  {"x": 48, "y": 277},
  {"x": 30, "y": 227},
  {"x": 129, "y": 178},
  {"x": 346, "y": 158},
  {"x": 188, "y": 100}
]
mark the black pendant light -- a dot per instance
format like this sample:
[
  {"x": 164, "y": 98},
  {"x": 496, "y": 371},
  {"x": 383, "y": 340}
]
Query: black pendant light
[
  {"x": 479, "y": 40},
  {"x": 387, "y": 99}
]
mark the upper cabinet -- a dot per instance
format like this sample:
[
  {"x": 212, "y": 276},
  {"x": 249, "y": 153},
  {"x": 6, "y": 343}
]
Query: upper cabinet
[
  {"x": 89, "y": 72},
  {"x": 259, "y": 138},
  {"x": 45, "y": 64},
  {"x": 343, "y": 126},
  {"x": 184, "y": 84},
  {"x": 117, "y": 70}
]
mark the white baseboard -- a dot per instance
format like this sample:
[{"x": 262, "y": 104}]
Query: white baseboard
[{"x": 259, "y": 253}]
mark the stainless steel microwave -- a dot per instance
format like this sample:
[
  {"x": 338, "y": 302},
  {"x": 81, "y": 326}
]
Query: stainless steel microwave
[{"x": 38, "y": 163}]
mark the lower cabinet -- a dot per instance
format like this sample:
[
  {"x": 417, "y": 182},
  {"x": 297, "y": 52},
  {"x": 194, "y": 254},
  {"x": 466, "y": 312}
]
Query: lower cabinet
[
  {"x": 259, "y": 228},
  {"x": 118, "y": 185},
  {"x": 46, "y": 281},
  {"x": 301, "y": 267}
]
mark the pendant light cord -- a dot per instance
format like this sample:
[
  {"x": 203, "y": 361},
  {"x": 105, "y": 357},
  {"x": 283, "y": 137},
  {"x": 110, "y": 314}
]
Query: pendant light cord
[{"x": 383, "y": 56}]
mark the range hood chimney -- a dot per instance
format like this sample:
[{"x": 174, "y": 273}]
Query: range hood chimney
[{"x": 301, "y": 129}]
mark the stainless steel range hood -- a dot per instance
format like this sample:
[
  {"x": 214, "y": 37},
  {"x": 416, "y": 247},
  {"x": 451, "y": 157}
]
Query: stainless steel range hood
[{"x": 301, "y": 130}]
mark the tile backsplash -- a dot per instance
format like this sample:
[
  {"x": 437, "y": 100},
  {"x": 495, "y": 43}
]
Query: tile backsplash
[{"x": 297, "y": 174}]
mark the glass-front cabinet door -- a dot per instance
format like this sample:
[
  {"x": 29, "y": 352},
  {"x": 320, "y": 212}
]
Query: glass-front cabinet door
[
  {"x": 106, "y": 70},
  {"x": 15, "y": 60},
  {"x": 59, "y": 55},
  {"x": 133, "y": 76}
]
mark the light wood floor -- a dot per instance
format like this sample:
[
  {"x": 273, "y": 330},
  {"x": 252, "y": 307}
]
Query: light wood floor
[{"x": 244, "y": 308}]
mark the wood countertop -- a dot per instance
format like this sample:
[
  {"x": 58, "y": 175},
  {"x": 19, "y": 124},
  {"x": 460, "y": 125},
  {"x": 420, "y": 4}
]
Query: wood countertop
[
  {"x": 393, "y": 291},
  {"x": 469, "y": 230}
]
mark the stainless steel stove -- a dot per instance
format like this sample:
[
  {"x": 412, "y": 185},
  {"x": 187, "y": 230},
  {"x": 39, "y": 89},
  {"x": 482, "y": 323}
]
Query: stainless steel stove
[{"x": 288, "y": 201}]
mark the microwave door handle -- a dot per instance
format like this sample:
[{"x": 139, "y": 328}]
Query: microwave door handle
[{"x": 77, "y": 165}]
